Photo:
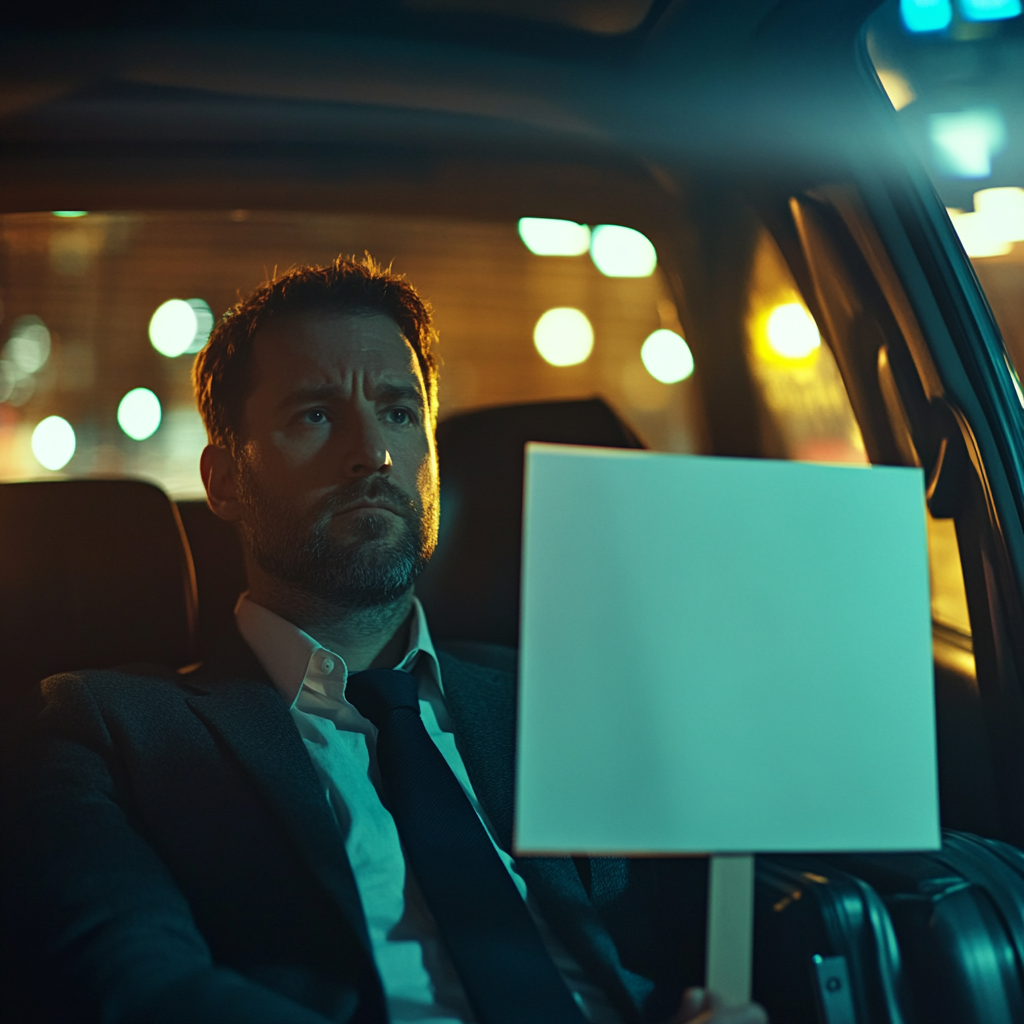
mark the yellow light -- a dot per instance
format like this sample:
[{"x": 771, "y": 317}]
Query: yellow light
[
  {"x": 53, "y": 442},
  {"x": 792, "y": 332},
  {"x": 1003, "y": 211},
  {"x": 667, "y": 357},
  {"x": 173, "y": 327},
  {"x": 138, "y": 413},
  {"x": 897, "y": 88},
  {"x": 622, "y": 252},
  {"x": 544, "y": 236},
  {"x": 980, "y": 235},
  {"x": 563, "y": 336}
]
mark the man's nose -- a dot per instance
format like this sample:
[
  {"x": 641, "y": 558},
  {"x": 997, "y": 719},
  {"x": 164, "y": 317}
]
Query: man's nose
[{"x": 367, "y": 451}]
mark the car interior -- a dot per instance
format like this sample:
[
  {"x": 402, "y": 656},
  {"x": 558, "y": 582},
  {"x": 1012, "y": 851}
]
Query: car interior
[{"x": 206, "y": 156}]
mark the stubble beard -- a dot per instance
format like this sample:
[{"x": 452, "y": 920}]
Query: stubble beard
[{"x": 372, "y": 567}]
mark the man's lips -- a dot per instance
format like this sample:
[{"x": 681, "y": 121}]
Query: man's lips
[{"x": 369, "y": 506}]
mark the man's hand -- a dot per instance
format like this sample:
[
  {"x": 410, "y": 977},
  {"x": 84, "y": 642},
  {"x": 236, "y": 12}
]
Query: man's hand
[{"x": 701, "y": 1007}]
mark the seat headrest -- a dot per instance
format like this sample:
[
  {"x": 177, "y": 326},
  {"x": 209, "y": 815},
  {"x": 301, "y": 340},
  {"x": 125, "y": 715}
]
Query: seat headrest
[
  {"x": 470, "y": 590},
  {"x": 93, "y": 573}
]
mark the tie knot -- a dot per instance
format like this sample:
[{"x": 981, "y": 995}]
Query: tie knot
[{"x": 376, "y": 692}]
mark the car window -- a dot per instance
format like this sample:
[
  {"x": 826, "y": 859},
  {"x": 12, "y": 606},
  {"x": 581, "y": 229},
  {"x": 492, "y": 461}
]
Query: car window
[
  {"x": 797, "y": 375},
  {"x": 811, "y": 416},
  {"x": 955, "y": 74},
  {"x": 103, "y": 312}
]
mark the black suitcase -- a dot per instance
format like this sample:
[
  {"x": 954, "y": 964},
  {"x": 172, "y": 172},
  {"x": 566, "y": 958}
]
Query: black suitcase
[
  {"x": 958, "y": 915},
  {"x": 824, "y": 947},
  {"x": 914, "y": 938}
]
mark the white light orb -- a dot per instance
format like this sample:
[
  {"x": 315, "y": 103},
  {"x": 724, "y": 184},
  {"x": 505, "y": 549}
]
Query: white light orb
[
  {"x": 28, "y": 347},
  {"x": 53, "y": 442},
  {"x": 980, "y": 235},
  {"x": 622, "y": 252},
  {"x": 792, "y": 332},
  {"x": 173, "y": 327},
  {"x": 1003, "y": 208},
  {"x": 204, "y": 324},
  {"x": 667, "y": 357},
  {"x": 563, "y": 336},
  {"x": 544, "y": 236},
  {"x": 138, "y": 413}
]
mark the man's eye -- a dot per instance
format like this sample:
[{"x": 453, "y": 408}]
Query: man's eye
[
  {"x": 315, "y": 416},
  {"x": 399, "y": 416}
]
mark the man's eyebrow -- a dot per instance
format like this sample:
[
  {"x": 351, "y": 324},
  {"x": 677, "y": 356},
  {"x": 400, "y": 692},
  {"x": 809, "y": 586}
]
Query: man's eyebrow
[
  {"x": 392, "y": 392},
  {"x": 388, "y": 391},
  {"x": 317, "y": 393}
]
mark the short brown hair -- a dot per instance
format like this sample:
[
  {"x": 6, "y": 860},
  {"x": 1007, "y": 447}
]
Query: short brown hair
[{"x": 220, "y": 374}]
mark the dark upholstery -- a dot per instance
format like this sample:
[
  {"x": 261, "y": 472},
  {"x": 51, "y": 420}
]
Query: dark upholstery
[
  {"x": 220, "y": 570},
  {"x": 93, "y": 573},
  {"x": 471, "y": 587}
]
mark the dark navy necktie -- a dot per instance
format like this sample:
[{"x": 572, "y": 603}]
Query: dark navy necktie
[{"x": 492, "y": 939}]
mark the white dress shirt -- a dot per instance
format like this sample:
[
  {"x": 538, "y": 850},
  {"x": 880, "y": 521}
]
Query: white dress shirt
[{"x": 420, "y": 981}]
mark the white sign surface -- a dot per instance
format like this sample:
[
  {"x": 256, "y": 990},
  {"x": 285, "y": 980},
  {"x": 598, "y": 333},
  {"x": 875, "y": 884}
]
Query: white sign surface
[{"x": 723, "y": 655}]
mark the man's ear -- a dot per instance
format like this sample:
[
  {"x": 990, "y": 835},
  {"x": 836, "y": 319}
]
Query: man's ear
[{"x": 220, "y": 480}]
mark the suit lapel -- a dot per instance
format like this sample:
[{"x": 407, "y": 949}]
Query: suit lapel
[
  {"x": 237, "y": 701},
  {"x": 482, "y": 703}
]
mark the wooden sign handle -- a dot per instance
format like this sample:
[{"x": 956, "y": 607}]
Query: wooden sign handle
[{"x": 730, "y": 945}]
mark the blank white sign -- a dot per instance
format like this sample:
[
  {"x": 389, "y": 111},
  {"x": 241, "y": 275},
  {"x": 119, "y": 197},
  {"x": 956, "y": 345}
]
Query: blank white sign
[{"x": 723, "y": 655}]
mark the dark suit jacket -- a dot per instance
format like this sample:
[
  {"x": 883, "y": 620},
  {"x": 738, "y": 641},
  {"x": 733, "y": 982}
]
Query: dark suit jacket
[{"x": 173, "y": 857}]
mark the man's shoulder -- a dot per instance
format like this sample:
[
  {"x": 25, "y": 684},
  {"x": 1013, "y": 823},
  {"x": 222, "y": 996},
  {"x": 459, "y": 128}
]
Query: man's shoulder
[
  {"x": 472, "y": 653},
  {"x": 137, "y": 683},
  {"x": 101, "y": 683}
]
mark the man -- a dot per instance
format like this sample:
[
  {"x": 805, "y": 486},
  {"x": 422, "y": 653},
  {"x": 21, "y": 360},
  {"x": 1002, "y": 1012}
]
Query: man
[{"x": 315, "y": 824}]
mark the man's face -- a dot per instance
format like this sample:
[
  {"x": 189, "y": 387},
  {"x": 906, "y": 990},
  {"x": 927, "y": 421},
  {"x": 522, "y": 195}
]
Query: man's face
[{"x": 337, "y": 476}]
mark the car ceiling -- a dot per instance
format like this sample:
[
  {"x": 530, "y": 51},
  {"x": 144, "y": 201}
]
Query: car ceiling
[{"x": 444, "y": 102}]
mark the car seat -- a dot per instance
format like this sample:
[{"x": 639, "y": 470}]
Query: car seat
[
  {"x": 470, "y": 589},
  {"x": 93, "y": 573}
]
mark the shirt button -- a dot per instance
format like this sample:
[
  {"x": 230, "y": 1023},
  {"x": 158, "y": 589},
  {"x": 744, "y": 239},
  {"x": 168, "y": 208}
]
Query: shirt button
[{"x": 327, "y": 666}]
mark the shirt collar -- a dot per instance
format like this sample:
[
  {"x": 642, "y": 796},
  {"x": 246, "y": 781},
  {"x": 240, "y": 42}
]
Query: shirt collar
[{"x": 289, "y": 655}]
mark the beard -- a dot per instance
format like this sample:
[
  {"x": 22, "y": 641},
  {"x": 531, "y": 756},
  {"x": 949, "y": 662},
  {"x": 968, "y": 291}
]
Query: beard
[{"x": 372, "y": 566}]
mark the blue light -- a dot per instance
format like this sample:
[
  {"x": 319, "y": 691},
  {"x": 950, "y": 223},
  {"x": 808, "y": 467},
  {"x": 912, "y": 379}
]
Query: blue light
[
  {"x": 989, "y": 10},
  {"x": 964, "y": 143},
  {"x": 926, "y": 15}
]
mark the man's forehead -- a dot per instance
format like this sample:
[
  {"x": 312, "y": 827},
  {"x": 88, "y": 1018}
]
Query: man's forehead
[{"x": 326, "y": 340}]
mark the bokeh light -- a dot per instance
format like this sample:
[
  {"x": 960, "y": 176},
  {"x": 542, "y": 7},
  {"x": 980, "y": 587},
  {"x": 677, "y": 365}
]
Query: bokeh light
[
  {"x": 563, "y": 336},
  {"x": 53, "y": 442},
  {"x": 9, "y": 376},
  {"x": 667, "y": 357},
  {"x": 544, "y": 236},
  {"x": 1003, "y": 208},
  {"x": 926, "y": 15},
  {"x": 70, "y": 214},
  {"x": 995, "y": 224},
  {"x": 964, "y": 143},
  {"x": 138, "y": 413},
  {"x": 28, "y": 346},
  {"x": 792, "y": 332},
  {"x": 173, "y": 328},
  {"x": 989, "y": 10},
  {"x": 897, "y": 88},
  {"x": 204, "y": 324},
  {"x": 622, "y": 252},
  {"x": 979, "y": 235}
]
